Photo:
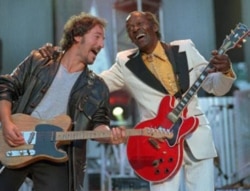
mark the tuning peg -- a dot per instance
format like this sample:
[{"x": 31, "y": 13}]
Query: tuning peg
[{"x": 239, "y": 45}]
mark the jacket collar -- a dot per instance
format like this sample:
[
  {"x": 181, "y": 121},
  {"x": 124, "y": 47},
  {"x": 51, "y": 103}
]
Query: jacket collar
[{"x": 178, "y": 60}]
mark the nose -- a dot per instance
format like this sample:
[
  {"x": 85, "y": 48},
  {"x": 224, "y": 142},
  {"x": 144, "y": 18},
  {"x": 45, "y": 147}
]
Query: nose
[
  {"x": 101, "y": 43},
  {"x": 136, "y": 27},
  {"x": 133, "y": 29}
]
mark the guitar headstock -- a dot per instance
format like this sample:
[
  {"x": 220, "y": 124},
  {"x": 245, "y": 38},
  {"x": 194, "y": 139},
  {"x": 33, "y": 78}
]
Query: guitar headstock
[
  {"x": 235, "y": 38},
  {"x": 157, "y": 133}
]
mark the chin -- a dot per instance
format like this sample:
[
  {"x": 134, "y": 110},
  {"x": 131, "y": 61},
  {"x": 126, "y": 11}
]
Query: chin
[{"x": 90, "y": 62}]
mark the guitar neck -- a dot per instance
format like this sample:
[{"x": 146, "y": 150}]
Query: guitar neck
[
  {"x": 175, "y": 114},
  {"x": 80, "y": 135}
]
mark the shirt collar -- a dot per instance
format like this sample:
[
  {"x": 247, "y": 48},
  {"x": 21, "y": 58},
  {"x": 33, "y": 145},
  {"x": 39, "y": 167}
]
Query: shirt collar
[{"x": 159, "y": 51}]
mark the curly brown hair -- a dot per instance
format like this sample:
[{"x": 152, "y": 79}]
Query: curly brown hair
[{"x": 78, "y": 25}]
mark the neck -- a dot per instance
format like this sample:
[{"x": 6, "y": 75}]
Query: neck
[
  {"x": 150, "y": 49},
  {"x": 71, "y": 62}
]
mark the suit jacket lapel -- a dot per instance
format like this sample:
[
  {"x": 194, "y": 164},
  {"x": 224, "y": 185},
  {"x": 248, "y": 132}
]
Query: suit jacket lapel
[
  {"x": 177, "y": 59},
  {"x": 180, "y": 65},
  {"x": 136, "y": 65}
]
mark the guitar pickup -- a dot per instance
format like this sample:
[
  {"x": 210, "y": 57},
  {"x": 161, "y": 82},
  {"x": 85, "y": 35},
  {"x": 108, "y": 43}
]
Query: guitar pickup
[{"x": 20, "y": 153}]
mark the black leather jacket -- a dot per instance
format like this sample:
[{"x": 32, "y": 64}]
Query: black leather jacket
[{"x": 87, "y": 106}]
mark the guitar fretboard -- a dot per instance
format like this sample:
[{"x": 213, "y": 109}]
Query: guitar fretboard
[
  {"x": 78, "y": 135},
  {"x": 174, "y": 115}
]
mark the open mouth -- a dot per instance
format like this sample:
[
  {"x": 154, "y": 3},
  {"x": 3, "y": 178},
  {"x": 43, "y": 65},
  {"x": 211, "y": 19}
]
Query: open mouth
[
  {"x": 94, "y": 51},
  {"x": 140, "y": 36}
]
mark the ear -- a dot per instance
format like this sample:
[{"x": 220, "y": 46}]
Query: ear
[
  {"x": 155, "y": 28},
  {"x": 77, "y": 38}
]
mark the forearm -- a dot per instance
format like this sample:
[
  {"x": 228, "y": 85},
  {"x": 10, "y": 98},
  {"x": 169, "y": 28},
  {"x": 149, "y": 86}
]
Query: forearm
[
  {"x": 5, "y": 111},
  {"x": 218, "y": 84}
]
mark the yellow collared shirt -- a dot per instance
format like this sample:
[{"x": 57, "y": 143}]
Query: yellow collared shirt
[{"x": 158, "y": 63}]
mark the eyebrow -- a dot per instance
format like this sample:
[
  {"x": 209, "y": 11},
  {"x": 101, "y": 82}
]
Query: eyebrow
[{"x": 101, "y": 34}]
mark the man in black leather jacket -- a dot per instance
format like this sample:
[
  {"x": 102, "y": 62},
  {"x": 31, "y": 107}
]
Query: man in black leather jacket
[{"x": 45, "y": 88}]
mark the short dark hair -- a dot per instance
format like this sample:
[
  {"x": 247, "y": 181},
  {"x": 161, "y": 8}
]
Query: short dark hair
[{"x": 78, "y": 25}]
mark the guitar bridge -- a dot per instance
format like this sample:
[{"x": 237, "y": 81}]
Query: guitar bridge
[{"x": 29, "y": 137}]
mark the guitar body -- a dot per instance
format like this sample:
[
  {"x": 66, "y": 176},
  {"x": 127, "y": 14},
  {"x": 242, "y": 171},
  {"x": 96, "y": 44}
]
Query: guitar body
[
  {"x": 159, "y": 159},
  {"x": 41, "y": 135}
]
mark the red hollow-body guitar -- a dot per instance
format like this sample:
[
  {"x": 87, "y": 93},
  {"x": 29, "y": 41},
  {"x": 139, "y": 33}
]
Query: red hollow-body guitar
[{"x": 157, "y": 160}]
